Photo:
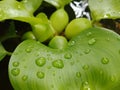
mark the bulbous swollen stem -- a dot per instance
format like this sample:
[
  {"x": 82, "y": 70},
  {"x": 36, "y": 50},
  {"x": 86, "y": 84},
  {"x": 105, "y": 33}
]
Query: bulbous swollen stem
[{"x": 43, "y": 32}]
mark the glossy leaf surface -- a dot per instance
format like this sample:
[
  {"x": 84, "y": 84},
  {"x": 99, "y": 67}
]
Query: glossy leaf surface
[
  {"x": 101, "y": 9},
  {"x": 90, "y": 62}
]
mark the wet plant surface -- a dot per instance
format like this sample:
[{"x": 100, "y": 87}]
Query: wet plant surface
[{"x": 56, "y": 61}]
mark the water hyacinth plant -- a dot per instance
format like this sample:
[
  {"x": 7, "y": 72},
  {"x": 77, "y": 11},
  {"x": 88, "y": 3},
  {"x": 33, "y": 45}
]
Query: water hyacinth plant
[{"x": 48, "y": 50}]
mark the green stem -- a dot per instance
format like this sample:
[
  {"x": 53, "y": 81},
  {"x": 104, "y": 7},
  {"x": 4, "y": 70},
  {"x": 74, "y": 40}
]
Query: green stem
[{"x": 9, "y": 53}]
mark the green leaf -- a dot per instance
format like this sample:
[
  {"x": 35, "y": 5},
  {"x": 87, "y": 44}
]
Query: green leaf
[
  {"x": 10, "y": 9},
  {"x": 31, "y": 5},
  {"x": 101, "y": 9},
  {"x": 90, "y": 62},
  {"x": 58, "y": 3},
  {"x": 3, "y": 52}
]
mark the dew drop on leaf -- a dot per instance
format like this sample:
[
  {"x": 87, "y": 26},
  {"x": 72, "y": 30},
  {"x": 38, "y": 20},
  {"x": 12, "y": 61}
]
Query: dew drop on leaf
[
  {"x": 24, "y": 78},
  {"x": 40, "y": 75},
  {"x": 85, "y": 67},
  {"x": 71, "y": 43},
  {"x": 40, "y": 61},
  {"x": 85, "y": 86},
  {"x": 92, "y": 41},
  {"x": 87, "y": 51},
  {"x": 113, "y": 78},
  {"x": 28, "y": 50},
  {"x": 105, "y": 60},
  {"x": 58, "y": 64},
  {"x": 15, "y": 71},
  {"x": 68, "y": 56},
  {"x": 15, "y": 64},
  {"x": 89, "y": 34},
  {"x": 78, "y": 74}
]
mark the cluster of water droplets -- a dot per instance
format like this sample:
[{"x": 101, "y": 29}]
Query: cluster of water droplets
[{"x": 16, "y": 71}]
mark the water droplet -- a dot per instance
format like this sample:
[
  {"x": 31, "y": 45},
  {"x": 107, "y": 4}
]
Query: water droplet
[
  {"x": 85, "y": 67},
  {"x": 89, "y": 34},
  {"x": 71, "y": 43},
  {"x": 78, "y": 74},
  {"x": 68, "y": 56},
  {"x": 105, "y": 60},
  {"x": 28, "y": 50},
  {"x": 87, "y": 51},
  {"x": 40, "y": 61},
  {"x": 15, "y": 71},
  {"x": 113, "y": 78},
  {"x": 85, "y": 86},
  {"x": 40, "y": 74},
  {"x": 15, "y": 64},
  {"x": 92, "y": 41},
  {"x": 58, "y": 64},
  {"x": 24, "y": 78}
]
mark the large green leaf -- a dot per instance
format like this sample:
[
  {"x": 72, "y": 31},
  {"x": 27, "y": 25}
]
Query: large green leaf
[
  {"x": 101, "y": 9},
  {"x": 90, "y": 62}
]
